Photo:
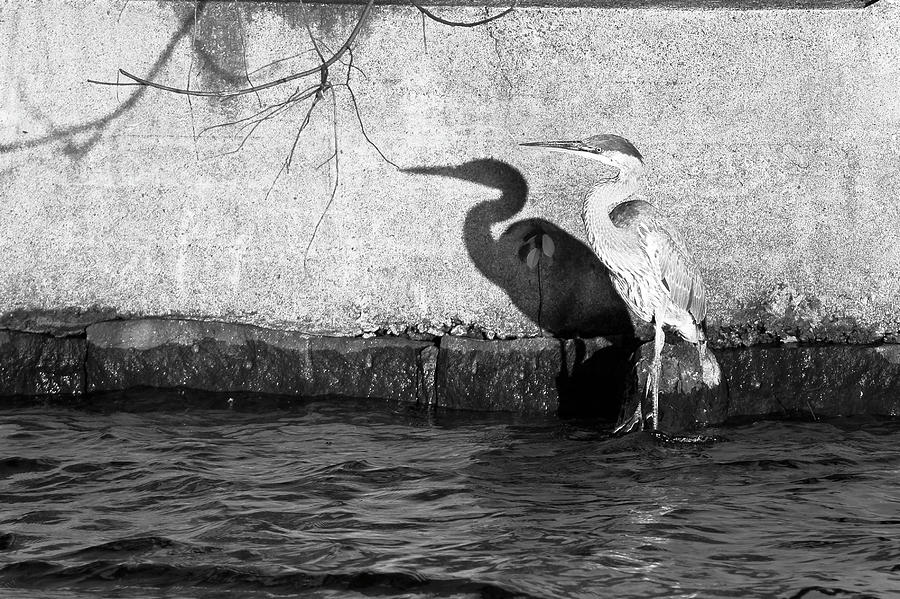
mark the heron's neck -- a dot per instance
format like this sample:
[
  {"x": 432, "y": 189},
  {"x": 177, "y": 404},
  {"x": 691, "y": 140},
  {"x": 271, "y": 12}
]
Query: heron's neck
[{"x": 603, "y": 197}]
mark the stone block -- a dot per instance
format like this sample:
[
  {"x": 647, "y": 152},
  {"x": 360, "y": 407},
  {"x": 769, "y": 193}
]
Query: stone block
[
  {"x": 381, "y": 367},
  {"x": 686, "y": 402},
  {"x": 33, "y": 364},
  {"x": 215, "y": 356},
  {"x": 813, "y": 381},
  {"x": 211, "y": 356},
  {"x": 519, "y": 375}
]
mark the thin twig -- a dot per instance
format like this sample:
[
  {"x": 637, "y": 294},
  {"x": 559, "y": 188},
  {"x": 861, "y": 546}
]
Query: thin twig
[
  {"x": 191, "y": 111},
  {"x": 121, "y": 10},
  {"x": 303, "y": 125},
  {"x": 274, "y": 62},
  {"x": 424, "y": 37},
  {"x": 240, "y": 22},
  {"x": 346, "y": 64},
  {"x": 190, "y": 70},
  {"x": 337, "y": 180},
  {"x": 274, "y": 181},
  {"x": 434, "y": 17},
  {"x": 318, "y": 94},
  {"x": 273, "y": 109},
  {"x": 323, "y": 86},
  {"x": 283, "y": 106},
  {"x": 362, "y": 129},
  {"x": 326, "y": 161}
]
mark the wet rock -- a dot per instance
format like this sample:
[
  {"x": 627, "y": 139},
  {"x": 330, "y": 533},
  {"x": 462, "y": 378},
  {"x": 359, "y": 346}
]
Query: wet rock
[
  {"x": 518, "y": 375},
  {"x": 427, "y": 369},
  {"x": 227, "y": 357},
  {"x": 813, "y": 381},
  {"x": 381, "y": 367},
  {"x": 686, "y": 402},
  {"x": 60, "y": 322},
  {"x": 33, "y": 364},
  {"x": 210, "y": 356}
]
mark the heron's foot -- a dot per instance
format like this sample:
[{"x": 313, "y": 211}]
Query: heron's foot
[{"x": 636, "y": 420}]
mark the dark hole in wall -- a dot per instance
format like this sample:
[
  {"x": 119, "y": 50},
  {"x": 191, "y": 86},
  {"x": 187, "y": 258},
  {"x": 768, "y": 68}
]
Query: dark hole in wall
[{"x": 593, "y": 386}]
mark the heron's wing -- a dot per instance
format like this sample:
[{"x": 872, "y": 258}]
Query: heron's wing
[
  {"x": 667, "y": 253},
  {"x": 679, "y": 273}
]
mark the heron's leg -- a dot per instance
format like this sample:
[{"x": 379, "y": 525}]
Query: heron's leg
[
  {"x": 636, "y": 420},
  {"x": 659, "y": 340}
]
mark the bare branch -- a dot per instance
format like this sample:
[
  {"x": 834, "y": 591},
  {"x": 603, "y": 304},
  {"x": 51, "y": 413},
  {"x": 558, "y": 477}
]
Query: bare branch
[
  {"x": 256, "y": 122},
  {"x": 286, "y": 165},
  {"x": 255, "y": 88},
  {"x": 272, "y": 109}
]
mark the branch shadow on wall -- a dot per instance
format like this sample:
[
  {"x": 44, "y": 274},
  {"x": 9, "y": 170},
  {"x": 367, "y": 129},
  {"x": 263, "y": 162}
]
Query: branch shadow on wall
[
  {"x": 79, "y": 139},
  {"x": 567, "y": 293}
]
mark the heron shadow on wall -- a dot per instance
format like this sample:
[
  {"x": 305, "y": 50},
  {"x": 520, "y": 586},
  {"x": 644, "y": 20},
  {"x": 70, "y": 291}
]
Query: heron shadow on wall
[{"x": 551, "y": 276}]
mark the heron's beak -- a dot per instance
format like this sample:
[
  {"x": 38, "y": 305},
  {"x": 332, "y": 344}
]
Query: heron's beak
[{"x": 571, "y": 146}]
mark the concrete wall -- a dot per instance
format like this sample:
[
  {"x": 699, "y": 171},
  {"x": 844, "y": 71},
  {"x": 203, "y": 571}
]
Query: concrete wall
[{"x": 772, "y": 136}]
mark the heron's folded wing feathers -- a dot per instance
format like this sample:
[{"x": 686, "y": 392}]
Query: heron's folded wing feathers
[
  {"x": 667, "y": 253},
  {"x": 678, "y": 270}
]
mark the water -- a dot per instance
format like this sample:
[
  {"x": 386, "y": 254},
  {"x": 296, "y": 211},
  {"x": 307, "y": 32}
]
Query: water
[{"x": 148, "y": 497}]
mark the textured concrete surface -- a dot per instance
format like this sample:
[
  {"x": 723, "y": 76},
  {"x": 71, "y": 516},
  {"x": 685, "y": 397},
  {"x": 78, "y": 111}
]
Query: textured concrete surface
[{"x": 772, "y": 137}]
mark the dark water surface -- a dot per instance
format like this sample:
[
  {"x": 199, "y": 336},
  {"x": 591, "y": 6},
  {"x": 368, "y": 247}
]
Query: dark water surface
[{"x": 159, "y": 495}]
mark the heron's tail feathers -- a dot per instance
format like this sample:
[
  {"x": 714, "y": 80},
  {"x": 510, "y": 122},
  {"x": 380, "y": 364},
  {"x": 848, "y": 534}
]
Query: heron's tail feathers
[{"x": 709, "y": 366}]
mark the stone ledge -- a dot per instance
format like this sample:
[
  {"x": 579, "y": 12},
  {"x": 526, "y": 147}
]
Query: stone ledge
[
  {"x": 518, "y": 375},
  {"x": 215, "y": 356},
  {"x": 813, "y": 381},
  {"x": 568, "y": 377}
]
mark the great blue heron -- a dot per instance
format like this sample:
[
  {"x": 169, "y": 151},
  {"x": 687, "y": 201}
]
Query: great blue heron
[{"x": 646, "y": 257}]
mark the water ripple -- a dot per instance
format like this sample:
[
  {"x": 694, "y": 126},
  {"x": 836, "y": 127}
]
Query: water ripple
[{"x": 343, "y": 499}]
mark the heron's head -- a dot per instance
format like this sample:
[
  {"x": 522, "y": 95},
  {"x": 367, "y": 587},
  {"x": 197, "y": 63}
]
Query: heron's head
[{"x": 612, "y": 150}]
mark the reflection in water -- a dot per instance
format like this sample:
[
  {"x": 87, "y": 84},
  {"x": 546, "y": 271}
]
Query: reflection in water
[{"x": 337, "y": 499}]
